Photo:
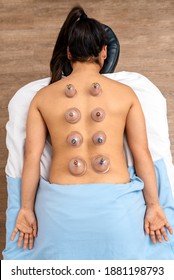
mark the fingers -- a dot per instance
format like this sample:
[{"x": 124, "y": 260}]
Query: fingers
[
  {"x": 164, "y": 234},
  {"x": 26, "y": 240},
  {"x": 31, "y": 241},
  {"x": 146, "y": 227},
  {"x": 158, "y": 235},
  {"x": 152, "y": 236},
  {"x": 34, "y": 229},
  {"x": 169, "y": 228},
  {"x": 26, "y": 225},
  {"x": 26, "y": 236},
  {"x": 20, "y": 239},
  {"x": 14, "y": 233}
]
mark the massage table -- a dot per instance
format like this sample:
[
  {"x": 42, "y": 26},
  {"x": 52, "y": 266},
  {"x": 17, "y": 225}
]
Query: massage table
[{"x": 72, "y": 221}]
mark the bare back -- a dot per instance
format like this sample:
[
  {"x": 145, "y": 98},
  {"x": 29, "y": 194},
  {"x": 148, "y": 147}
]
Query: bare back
[{"x": 115, "y": 100}]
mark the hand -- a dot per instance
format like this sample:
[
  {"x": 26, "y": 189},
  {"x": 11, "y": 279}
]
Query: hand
[
  {"x": 27, "y": 225},
  {"x": 155, "y": 223}
]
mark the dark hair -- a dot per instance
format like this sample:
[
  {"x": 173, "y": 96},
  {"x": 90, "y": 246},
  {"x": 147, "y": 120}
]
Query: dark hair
[{"x": 85, "y": 38}]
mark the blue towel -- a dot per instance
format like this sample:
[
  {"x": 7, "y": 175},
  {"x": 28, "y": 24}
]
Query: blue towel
[{"x": 91, "y": 221}]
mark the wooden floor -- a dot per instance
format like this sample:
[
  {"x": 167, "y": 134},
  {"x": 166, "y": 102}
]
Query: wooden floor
[{"x": 28, "y": 30}]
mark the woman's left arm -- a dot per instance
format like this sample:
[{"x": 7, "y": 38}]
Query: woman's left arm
[{"x": 155, "y": 220}]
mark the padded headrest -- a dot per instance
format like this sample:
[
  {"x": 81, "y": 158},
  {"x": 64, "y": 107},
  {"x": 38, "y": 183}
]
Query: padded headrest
[{"x": 113, "y": 51}]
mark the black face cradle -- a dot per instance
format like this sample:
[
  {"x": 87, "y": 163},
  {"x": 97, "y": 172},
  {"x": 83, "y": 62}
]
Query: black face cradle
[{"x": 113, "y": 51}]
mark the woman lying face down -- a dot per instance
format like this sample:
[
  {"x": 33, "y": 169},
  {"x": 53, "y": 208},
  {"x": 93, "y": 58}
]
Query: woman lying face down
[{"x": 86, "y": 115}]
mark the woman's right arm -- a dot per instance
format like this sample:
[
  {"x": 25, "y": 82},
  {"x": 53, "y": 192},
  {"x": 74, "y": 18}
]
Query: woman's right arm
[{"x": 35, "y": 140}]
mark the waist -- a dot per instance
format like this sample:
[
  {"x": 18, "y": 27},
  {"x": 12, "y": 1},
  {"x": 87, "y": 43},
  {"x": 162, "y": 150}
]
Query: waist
[
  {"x": 62, "y": 177},
  {"x": 89, "y": 169}
]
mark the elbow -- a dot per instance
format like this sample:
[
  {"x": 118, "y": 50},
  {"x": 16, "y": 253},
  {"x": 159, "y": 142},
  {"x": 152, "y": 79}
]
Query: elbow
[
  {"x": 32, "y": 156},
  {"x": 141, "y": 154}
]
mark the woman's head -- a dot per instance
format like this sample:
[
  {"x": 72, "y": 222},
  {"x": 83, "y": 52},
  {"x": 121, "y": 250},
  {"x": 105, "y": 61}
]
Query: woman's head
[
  {"x": 86, "y": 40},
  {"x": 83, "y": 37}
]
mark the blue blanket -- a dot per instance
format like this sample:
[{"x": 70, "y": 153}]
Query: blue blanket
[{"x": 91, "y": 221}]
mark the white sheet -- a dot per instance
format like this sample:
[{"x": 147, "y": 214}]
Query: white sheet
[{"x": 153, "y": 104}]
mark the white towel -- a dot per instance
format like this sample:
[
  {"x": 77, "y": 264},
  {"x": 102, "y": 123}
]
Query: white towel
[{"x": 153, "y": 105}]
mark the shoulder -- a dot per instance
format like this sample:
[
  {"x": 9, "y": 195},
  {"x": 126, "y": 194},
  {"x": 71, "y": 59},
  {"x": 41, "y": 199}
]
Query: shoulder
[
  {"x": 46, "y": 92},
  {"x": 116, "y": 84},
  {"x": 123, "y": 90}
]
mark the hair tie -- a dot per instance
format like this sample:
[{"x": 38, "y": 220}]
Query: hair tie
[{"x": 83, "y": 16}]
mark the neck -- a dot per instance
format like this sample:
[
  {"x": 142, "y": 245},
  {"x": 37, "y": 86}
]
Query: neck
[{"x": 86, "y": 68}]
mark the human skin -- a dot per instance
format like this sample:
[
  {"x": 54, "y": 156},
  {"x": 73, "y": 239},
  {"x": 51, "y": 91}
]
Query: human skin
[{"x": 123, "y": 115}]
